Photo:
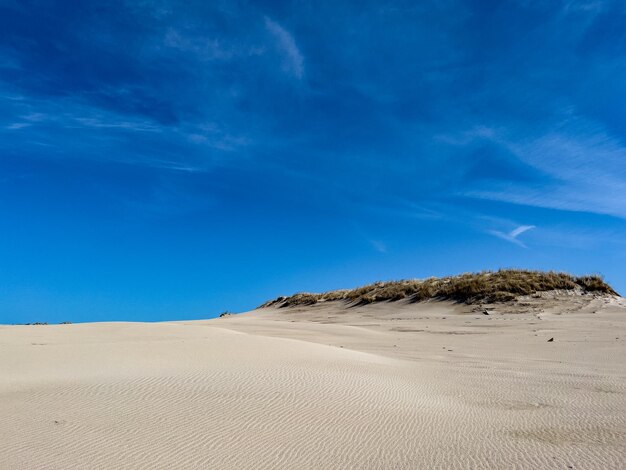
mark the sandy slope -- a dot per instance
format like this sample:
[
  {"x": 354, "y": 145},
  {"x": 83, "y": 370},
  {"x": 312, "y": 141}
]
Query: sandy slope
[{"x": 432, "y": 385}]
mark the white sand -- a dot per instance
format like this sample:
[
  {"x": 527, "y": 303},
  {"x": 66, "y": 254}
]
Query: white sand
[{"x": 385, "y": 386}]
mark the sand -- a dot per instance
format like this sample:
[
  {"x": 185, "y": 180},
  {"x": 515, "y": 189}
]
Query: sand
[{"x": 390, "y": 385}]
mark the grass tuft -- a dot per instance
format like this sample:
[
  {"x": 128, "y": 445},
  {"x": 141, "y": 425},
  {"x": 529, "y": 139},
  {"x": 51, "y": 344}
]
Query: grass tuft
[{"x": 487, "y": 286}]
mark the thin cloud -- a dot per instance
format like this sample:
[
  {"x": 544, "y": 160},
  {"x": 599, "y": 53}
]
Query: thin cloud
[
  {"x": 513, "y": 235},
  {"x": 593, "y": 6},
  {"x": 203, "y": 48},
  {"x": 17, "y": 125},
  {"x": 127, "y": 125},
  {"x": 293, "y": 60},
  {"x": 378, "y": 246},
  {"x": 583, "y": 167}
]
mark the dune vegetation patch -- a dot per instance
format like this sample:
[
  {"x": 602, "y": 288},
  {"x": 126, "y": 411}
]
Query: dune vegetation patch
[{"x": 487, "y": 286}]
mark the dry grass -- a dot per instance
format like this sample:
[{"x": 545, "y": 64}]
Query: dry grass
[{"x": 486, "y": 286}]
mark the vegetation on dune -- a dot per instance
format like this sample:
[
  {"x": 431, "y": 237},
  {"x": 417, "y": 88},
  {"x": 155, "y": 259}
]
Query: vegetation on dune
[{"x": 487, "y": 286}]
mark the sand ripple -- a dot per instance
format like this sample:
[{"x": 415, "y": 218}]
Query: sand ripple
[{"x": 197, "y": 396}]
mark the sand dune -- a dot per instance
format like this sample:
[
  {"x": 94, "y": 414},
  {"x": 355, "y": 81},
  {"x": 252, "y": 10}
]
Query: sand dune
[{"x": 388, "y": 385}]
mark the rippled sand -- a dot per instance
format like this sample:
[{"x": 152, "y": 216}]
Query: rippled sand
[{"x": 432, "y": 385}]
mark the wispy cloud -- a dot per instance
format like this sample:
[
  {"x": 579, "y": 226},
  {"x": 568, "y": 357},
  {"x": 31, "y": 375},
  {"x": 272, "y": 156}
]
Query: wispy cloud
[
  {"x": 108, "y": 124},
  {"x": 293, "y": 62},
  {"x": 218, "y": 140},
  {"x": 379, "y": 246},
  {"x": 18, "y": 125},
  {"x": 582, "y": 167},
  {"x": 586, "y": 6},
  {"x": 513, "y": 235},
  {"x": 206, "y": 48}
]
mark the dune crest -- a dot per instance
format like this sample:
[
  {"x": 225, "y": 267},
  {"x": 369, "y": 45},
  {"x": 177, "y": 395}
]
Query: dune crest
[{"x": 486, "y": 286}]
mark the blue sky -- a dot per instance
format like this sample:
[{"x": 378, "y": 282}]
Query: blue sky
[{"x": 169, "y": 160}]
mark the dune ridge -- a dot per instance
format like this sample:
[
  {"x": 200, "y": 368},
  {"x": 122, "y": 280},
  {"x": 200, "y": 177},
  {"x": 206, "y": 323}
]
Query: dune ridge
[{"x": 486, "y": 286}]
